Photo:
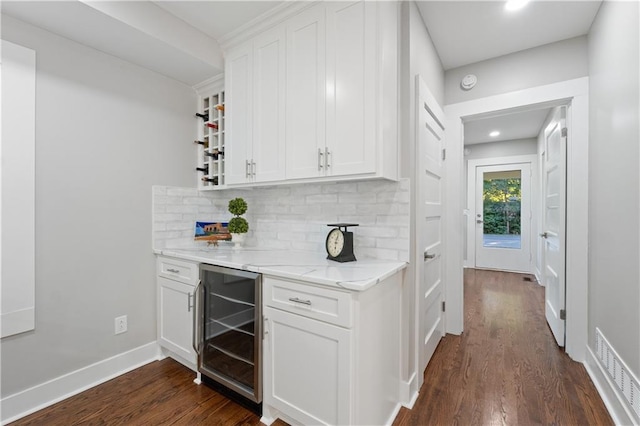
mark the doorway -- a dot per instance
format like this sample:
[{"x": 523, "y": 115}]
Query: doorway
[{"x": 573, "y": 94}]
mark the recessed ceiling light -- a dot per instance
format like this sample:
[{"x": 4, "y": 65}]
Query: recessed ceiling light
[
  {"x": 494, "y": 134},
  {"x": 515, "y": 4}
]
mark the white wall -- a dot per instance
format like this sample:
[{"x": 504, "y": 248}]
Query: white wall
[
  {"x": 500, "y": 149},
  {"x": 614, "y": 183},
  {"x": 106, "y": 130},
  {"x": 551, "y": 63}
]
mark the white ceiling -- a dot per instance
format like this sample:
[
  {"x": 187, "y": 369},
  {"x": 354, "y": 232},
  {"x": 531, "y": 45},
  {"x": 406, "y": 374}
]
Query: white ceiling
[
  {"x": 512, "y": 126},
  {"x": 217, "y": 18},
  {"x": 462, "y": 31},
  {"x": 465, "y": 32}
]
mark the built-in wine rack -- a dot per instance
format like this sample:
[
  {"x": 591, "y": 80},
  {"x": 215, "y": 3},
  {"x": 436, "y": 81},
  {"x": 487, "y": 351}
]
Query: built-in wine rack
[{"x": 211, "y": 141}]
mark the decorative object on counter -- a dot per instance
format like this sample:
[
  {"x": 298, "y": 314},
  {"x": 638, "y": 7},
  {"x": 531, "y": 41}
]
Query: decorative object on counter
[
  {"x": 204, "y": 116},
  {"x": 220, "y": 107},
  {"x": 339, "y": 243},
  {"x": 212, "y": 232},
  {"x": 238, "y": 226}
]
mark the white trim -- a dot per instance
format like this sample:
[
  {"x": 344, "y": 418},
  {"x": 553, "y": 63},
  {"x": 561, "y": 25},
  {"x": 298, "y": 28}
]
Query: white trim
[
  {"x": 210, "y": 85},
  {"x": 409, "y": 392},
  {"x": 48, "y": 393},
  {"x": 269, "y": 19},
  {"x": 615, "y": 405},
  {"x": 574, "y": 92},
  {"x": 534, "y": 192}
]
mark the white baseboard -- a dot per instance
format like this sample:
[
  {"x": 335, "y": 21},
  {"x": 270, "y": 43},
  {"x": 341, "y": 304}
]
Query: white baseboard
[
  {"x": 409, "y": 392},
  {"x": 612, "y": 400},
  {"x": 48, "y": 393}
]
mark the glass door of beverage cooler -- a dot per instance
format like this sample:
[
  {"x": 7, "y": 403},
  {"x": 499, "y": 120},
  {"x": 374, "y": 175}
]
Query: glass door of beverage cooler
[{"x": 229, "y": 335}]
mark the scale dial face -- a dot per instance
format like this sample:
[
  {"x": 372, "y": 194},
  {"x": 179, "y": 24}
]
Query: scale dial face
[{"x": 335, "y": 242}]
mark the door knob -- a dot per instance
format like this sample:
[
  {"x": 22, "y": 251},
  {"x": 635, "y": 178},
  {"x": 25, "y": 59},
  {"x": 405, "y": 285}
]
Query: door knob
[
  {"x": 479, "y": 221},
  {"x": 544, "y": 235}
]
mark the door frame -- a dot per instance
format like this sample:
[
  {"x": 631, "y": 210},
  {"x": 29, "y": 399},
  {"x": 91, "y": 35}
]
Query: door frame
[
  {"x": 534, "y": 192},
  {"x": 575, "y": 94}
]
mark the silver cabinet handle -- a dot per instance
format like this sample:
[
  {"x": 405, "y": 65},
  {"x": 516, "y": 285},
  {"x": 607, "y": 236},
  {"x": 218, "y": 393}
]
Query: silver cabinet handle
[
  {"x": 175, "y": 271},
  {"x": 302, "y": 302},
  {"x": 326, "y": 158},
  {"x": 544, "y": 235},
  {"x": 195, "y": 336},
  {"x": 320, "y": 165},
  {"x": 428, "y": 256},
  {"x": 265, "y": 329},
  {"x": 253, "y": 168},
  {"x": 246, "y": 169},
  {"x": 479, "y": 221},
  {"x": 189, "y": 305}
]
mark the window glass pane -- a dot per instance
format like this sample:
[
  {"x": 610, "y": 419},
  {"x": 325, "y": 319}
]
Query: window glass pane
[{"x": 502, "y": 198}]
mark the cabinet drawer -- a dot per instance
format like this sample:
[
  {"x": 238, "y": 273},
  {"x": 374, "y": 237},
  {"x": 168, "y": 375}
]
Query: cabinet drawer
[
  {"x": 324, "y": 304},
  {"x": 178, "y": 270}
]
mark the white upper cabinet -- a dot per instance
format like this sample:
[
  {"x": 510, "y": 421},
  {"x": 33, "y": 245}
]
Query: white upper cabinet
[
  {"x": 239, "y": 81},
  {"x": 321, "y": 104},
  {"x": 306, "y": 93},
  {"x": 268, "y": 159},
  {"x": 351, "y": 88},
  {"x": 255, "y": 107}
]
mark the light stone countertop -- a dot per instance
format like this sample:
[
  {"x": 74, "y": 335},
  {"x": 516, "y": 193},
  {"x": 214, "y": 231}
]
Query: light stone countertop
[{"x": 305, "y": 266}]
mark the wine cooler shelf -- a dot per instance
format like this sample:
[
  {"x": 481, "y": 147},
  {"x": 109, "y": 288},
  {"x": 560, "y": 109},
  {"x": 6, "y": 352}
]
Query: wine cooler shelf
[{"x": 211, "y": 142}]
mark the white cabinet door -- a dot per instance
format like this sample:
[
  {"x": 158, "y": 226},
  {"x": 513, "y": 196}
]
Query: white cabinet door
[
  {"x": 306, "y": 86},
  {"x": 307, "y": 372},
  {"x": 268, "y": 157},
  {"x": 238, "y": 112},
  {"x": 175, "y": 319},
  {"x": 351, "y": 87}
]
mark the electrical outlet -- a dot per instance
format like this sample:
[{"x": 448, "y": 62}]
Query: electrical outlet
[{"x": 121, "y": 324}]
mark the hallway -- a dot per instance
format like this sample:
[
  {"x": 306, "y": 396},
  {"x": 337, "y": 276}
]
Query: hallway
[{"x": 506, "y": 367}]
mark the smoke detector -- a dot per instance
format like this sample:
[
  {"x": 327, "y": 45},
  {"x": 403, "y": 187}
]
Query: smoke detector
[{"x": 468, "y": 81}]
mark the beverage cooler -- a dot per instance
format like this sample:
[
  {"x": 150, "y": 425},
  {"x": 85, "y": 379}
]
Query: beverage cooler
[{"x": 228, "y": 333}]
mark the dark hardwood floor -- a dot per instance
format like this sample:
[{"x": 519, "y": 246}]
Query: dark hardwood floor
[{"x": 504, "y": 370}]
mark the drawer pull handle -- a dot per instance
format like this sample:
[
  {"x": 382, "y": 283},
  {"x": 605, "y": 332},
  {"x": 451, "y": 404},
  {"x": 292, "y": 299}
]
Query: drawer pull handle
[
  {"x": 175, "y": 271},
  {"x": 302, "y": 302}
]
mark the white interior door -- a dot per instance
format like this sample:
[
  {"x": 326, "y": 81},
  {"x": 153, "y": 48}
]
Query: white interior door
[
  {"x": 503, "y": 217},
  {"x": 554, "y": 224},
  {"x": 430, "y": 133}
]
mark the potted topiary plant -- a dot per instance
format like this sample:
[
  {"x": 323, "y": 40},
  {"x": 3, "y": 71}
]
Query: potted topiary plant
[{"x": 238, "y": 226}]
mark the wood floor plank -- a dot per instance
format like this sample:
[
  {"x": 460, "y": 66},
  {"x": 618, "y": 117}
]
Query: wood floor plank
[{"x": 505, "y": 369}]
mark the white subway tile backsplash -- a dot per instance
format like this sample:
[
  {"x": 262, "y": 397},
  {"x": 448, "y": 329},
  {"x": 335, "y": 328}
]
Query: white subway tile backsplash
[
  {"x": 182, "y": 192},
  {"x": 294, "y": 216}
]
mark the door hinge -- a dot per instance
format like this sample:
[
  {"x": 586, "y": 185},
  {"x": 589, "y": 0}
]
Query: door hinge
[
  {"x": 563, "y": 314},
  {"x": 564, "y": 132},
  {"x": 444, "y": 154},
  {"x": 443, "y": 306}
]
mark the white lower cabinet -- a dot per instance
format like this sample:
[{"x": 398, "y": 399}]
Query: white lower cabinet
[
  {"x": 331, "y": 356},
  {"x": 307, "y": 368},
  {"x": 175, "y": 309}
]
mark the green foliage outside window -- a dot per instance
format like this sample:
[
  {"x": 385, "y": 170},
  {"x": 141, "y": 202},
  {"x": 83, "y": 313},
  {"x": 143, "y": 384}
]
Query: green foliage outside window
[{"x": 502, "y": 200}]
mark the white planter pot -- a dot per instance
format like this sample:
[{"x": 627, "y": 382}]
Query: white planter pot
[{"x": 238, "y": 240}]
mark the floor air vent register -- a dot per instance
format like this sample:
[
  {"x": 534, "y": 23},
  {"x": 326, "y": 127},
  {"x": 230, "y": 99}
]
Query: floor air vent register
[{"x": 619, "y": 373}]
